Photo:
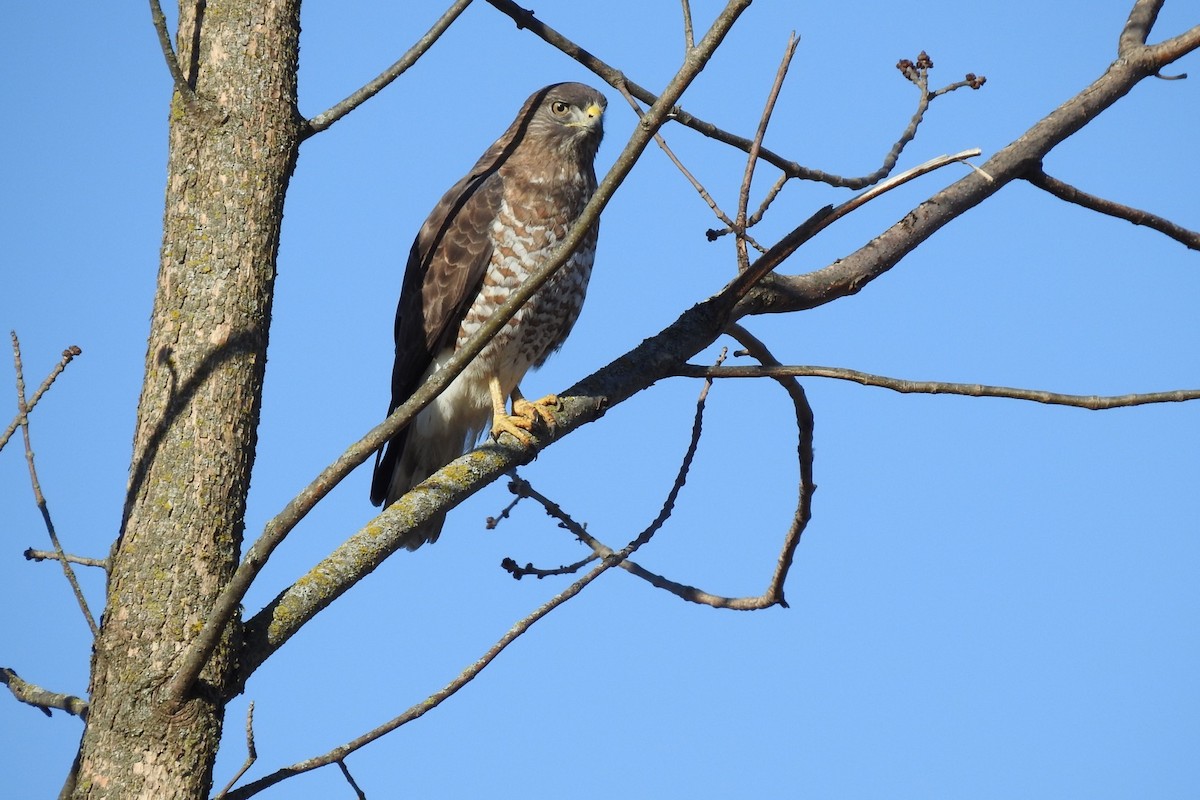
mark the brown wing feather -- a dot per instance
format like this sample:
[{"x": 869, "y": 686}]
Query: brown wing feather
[{"x": 444, "y": 273}]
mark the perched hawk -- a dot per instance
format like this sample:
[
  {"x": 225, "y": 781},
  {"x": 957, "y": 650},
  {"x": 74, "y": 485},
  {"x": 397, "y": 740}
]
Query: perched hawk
[{"x": 493, "y": 229}]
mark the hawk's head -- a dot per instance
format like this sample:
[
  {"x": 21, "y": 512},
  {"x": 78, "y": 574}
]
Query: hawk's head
[{"x": 566, "y": 117}]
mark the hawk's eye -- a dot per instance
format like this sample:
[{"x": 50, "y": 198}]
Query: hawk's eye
[{"x": 558, "y": 107}]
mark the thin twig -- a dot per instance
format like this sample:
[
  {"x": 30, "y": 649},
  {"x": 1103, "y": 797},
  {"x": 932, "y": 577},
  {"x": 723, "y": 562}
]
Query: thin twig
[
  {"x": 662, "y": 143},
  {"x": 68, "y": 356},
  {"x": 518, "y": 572},
  {"x": 350, "y": 779},
  {"x": 1067, "y": 192},
  {"x": 39, "y": 698},
  {"x": 39, "y": 498},
  {"x": 164, "y": 41},
  {"x": 757, "y": 216},
  {"x": 45, "y": 555},
  {"x": 805, "y": 423},
  {"x": 326, "y": 118},
  {"x": 1090, "y": 402},
  {"x": 971, "y": 81},
  {"x": 251, "y": 753},
  {"x": 685, "y": 467},
  {"x": 689, "y": 40},
  {"x": 739, "y": 227}
]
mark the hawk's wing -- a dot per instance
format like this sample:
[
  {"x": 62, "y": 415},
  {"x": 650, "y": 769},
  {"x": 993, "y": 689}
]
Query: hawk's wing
[{"x": 444, "y": 273}]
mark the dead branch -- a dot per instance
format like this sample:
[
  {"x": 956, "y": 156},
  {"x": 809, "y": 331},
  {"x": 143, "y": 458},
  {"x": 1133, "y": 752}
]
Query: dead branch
[
  {"x": 1067, "y": 192},
  {"x": 39, "y": 498},
  {"x": 740, "y": 223},
  {"x": 1091, "y": 402},
  {"x": 45, "y": 555},
  {"x": 251, "y": 753},
  {"x": 186, "y": 92},
  {"x": 326, "y": 118},
  {"x": 68, "y": 356},
  {"x": 39, "y": 698}
]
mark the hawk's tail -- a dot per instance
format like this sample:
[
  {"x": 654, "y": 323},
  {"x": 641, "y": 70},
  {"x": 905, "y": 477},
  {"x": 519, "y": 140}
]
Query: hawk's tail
[{"x": 416, "y": 453}]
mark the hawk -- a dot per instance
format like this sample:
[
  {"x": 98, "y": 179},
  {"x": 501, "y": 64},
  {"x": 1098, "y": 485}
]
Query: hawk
[{"x": 486, "y": 235}]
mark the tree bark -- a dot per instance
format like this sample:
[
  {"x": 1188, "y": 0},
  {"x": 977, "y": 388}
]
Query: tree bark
[{"x": 232, "y": 152}]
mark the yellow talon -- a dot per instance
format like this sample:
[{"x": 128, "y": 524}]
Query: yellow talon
[
  {"x": 542, "y": 409},
  {"x": 524, "y": 416}
]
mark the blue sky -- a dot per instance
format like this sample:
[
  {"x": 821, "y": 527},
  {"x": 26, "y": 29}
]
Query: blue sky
[{"x": 994, "y": 599}]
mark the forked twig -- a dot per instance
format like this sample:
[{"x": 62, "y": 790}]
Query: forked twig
[
  {"x": 740, "y": 223},
  {"x": 251, "y": 753},
  {"x": 68, "y": 356},
  {"x": 39, "y": 498}
]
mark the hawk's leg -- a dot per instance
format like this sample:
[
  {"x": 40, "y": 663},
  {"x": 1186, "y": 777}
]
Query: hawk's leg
[{"x": 525, "y": 413}]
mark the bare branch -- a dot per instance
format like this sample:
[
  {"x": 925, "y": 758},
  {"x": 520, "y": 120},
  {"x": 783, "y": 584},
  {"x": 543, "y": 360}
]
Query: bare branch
[
  {"x": 39, "y": 498},
  {"x": 1137, "y": 27},
  {"x": 1176, "y": 47},
  {"x": 431, "y": 494},
  {"x": 1067, "y": 192},
  {"x": 326, "y": 118},
  {"x": 186, "y": 92},
  {"x": 350, "y": 779},
  {"x": 41, "y": 699},
  {"x": 689, "y": 40},
  {"x": 251, "y": 753},
  {"x": 68, "y": 356},
  {"x": 739, "y": 225},
  {"x": 805, "y": 423},
  {"x": 1090, "y": 402},
  {"x": 45, "y": 555},
  {"x": 757, "y": 216},
  {"x": 519, "y": 572}
]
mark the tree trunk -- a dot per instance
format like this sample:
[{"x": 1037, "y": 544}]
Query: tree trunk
[{"x": 231, "y": 156}]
